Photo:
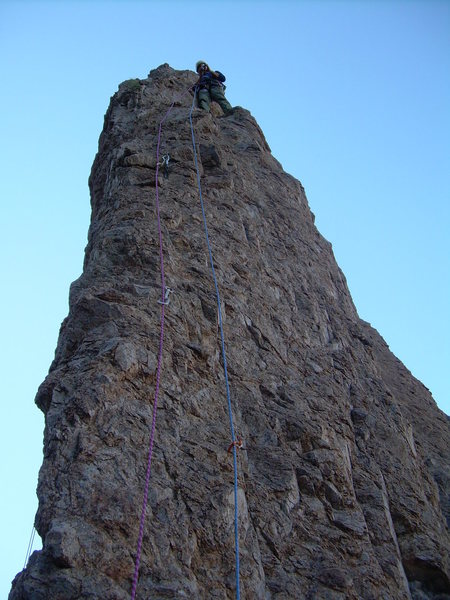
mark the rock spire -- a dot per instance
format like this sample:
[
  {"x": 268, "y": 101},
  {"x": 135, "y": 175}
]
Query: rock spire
[{"x": 344, "y": 474}]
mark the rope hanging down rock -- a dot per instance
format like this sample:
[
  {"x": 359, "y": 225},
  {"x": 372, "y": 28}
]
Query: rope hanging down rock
[
  {"x": 234, "y": 442},
  {"x": 30, "y": 546},
  {"x": 163, "y": 302}
]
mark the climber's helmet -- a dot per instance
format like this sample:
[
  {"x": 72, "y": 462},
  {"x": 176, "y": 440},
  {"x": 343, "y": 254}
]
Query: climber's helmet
[{"x": 201, "y": 66}]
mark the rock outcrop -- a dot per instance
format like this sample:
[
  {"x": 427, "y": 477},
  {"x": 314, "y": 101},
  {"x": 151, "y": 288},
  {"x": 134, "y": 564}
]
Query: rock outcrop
[{"x": 344, "y": 474}]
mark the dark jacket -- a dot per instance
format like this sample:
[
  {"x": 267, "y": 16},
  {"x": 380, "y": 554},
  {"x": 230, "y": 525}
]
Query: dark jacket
[{"x": 208, "y": 79}]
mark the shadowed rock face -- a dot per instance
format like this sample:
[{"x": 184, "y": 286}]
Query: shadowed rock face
[{"x": 343, "y": 481}]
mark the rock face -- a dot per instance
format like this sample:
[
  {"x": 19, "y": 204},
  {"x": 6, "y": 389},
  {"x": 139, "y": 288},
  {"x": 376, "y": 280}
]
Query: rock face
[{"x": 344, "y": 474}]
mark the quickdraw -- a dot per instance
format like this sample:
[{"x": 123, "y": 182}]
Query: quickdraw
[
  {"x": 167, "y": 292},
  {"x": 165, "y": 161},
  {"x": 238, "y": 444}
]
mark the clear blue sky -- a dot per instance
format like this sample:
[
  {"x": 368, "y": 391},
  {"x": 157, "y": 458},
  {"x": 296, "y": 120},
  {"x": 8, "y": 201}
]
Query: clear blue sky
[{"x": 354, "y": 100}]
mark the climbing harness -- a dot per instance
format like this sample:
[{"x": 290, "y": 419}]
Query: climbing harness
[{"x": 224, "y": 360}]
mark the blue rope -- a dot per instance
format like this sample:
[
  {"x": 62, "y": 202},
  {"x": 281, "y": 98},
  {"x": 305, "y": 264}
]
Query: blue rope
[
  {"x": 30, "y": 547},
  {"x": 222, "y": 338}
]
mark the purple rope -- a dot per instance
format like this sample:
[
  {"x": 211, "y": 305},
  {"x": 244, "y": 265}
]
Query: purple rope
[{"x": 158, "y": 370}]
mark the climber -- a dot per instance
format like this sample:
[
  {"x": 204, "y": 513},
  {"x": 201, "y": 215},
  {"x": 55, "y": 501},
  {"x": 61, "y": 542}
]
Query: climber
[{"x": 210, "y": 87}]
